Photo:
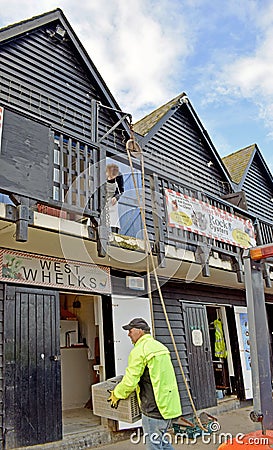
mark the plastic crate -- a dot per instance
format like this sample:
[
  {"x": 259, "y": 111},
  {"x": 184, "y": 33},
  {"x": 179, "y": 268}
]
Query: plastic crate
[{"x": 127, "y": 410}]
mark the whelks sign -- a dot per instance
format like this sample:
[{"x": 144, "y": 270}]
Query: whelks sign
[
  {"x": 24, "y": 268},
  {"x": 201, "y": 218}
]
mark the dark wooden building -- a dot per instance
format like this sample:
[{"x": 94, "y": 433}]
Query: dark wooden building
[
  {"x": 181, "y": 157},
  {"x": 60, "y": 126},
  {"x": 56, "y": 114},
  {"x": 251, "y": 176}
]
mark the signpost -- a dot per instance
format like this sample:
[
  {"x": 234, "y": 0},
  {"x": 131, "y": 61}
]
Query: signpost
[
  {"x": 259, "y": 344},
  {"x": 259, "y": 351}
]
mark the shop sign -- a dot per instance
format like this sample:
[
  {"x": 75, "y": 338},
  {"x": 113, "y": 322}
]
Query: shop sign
[
  {"x": 30, "y": 269},
  {"x": 202, "y": 218},
  {"x": 197, "y": 338}
]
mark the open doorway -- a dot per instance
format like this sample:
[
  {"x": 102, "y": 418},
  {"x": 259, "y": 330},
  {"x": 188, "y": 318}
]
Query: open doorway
[
  {"x": 81, "y": 359},
  {"x": 220, "y": 349}
]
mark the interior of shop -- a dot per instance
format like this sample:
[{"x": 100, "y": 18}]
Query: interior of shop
[
  {"x": 80, "y": 359},
  {"x": 217, "y": 332}
]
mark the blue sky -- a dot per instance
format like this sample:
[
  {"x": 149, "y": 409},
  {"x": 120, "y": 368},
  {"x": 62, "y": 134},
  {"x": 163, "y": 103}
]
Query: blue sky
[{"x": 149, "y": 51}]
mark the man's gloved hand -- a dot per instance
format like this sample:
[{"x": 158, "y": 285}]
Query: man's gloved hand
[{"x": 113, "y": 399}]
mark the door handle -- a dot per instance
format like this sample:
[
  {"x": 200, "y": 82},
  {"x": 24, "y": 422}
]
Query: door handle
[{"x": 55, "y": 358}]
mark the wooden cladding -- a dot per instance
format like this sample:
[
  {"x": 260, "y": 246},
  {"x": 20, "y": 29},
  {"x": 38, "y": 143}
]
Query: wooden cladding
[
  {"x": 73, "y": 173},
  {"x": 50, "y": 83},
  {"x": 32, "y": 393}
]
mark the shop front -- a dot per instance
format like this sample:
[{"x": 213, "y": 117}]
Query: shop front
[
  {"x": 203, "y": 319},
  {"x": 53, "y": 345}
]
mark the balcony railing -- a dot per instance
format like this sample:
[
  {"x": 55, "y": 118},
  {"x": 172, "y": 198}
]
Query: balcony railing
[
  {"x": 76, "y": 180},
  {"x": 264, "y": 232},
  {"x": 181, "y": 237}
]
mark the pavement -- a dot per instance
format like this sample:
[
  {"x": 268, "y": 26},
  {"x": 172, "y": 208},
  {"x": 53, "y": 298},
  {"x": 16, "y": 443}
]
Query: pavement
[{"x": 231, "y": 423}]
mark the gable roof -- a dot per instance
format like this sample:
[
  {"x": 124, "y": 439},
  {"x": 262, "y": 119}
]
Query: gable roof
[
  {"x": 239, "y": 163},
  {"x": 144, "y": 125},
  {"x": 150, "y": 124},
  {"x": 15, "y": 30}
]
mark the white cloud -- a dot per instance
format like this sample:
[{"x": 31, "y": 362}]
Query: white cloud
[
  {"x": 147, "y": 51},
  {"x": 137, "y": 46},
  {"x": 135, "y": 50}
]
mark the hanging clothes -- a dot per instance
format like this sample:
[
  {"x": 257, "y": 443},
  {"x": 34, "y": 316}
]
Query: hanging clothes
[
  {"x": 112, "y": 210},
  {"x": 114, "y": 189},
  {"x": 220, "y": 346}
]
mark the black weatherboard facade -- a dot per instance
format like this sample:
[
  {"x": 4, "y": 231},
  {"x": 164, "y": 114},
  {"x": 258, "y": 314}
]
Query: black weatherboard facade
[
  {"x": 180, "y": 156},
  {"x": 50, "y": 158},
  {"x": 48, "y": 83},
  {"x": 58, "y": 114},
  {"x": 251, "y": 176}
]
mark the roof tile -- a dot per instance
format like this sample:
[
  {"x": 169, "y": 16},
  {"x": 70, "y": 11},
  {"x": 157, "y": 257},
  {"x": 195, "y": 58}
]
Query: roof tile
[
  {"x": 143, "y": 126},
  {"x": 237, "y": 162}
]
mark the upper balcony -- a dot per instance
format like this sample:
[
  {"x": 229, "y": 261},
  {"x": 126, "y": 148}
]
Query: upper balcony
[
  {"x": 56, "y": 174},
  {"x": 184, "y": 218}
]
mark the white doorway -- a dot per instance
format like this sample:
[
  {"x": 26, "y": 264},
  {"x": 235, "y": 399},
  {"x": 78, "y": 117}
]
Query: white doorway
[
  {"x": 81, "y": 354},
  {"x": 126, "y": 308}
]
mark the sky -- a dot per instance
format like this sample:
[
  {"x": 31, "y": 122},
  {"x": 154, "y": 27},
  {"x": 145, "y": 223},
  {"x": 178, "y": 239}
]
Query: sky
[{"x": 148, "y": 51}]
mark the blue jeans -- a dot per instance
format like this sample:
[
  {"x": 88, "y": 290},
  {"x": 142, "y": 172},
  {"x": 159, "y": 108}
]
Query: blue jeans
[{"x": 154, "y": 431}]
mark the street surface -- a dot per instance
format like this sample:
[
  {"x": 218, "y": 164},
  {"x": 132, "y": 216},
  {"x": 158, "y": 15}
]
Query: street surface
[{"x": 235, "y": 423}]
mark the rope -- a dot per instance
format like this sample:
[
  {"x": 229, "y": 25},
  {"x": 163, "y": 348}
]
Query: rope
[{"x": 133, "y": 147}]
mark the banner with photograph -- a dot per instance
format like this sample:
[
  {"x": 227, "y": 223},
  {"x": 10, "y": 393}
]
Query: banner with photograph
[{"x": 202, "y": 218}]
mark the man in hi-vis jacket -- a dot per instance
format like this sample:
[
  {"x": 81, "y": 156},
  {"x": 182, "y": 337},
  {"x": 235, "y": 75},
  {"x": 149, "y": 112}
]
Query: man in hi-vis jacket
[{"x": 151, "y": 373}]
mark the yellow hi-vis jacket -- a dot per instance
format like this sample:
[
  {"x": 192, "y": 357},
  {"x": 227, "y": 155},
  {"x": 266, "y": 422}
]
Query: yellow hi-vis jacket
[
  {"x": 220, "y": 346},
  {"x": 149, "y": 352}
]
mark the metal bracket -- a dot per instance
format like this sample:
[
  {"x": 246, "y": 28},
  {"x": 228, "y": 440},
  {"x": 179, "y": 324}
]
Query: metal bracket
[
  {"x": 202, "y": 257},
  {"x": 22, "y": 215},
  {"x": 95, "y": 106},
  {"x": 113, "y": 128},
  {"x": 14, "y": 213},
  {"x": 266, "y": 274},
  {"x": 238, "y": 267},
  {"x": 11, "y": 213},
  {"x": 103, "y": 239},
  {"x": 92, "y": 233}
]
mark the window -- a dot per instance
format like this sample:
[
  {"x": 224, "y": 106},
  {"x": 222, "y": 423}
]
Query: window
[{"x": 128, "y": 208}]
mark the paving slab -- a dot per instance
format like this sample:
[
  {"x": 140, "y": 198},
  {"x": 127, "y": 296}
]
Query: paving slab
[{"x": 232, "y": 423}]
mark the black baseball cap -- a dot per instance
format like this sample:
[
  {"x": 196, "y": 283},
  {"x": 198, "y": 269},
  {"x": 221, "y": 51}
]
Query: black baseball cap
[{"x": 139, "y": 323}]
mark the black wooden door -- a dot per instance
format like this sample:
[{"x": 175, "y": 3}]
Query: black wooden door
[
  {"x": 32, "y": 367},
  {"x": 199, "y": 355}
]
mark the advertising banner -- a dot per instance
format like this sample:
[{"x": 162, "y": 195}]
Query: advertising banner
[
  {"x": 30, "y": 269},
  {"x": 202, "y": 218},
  {"x": 242, "y": 325}
]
